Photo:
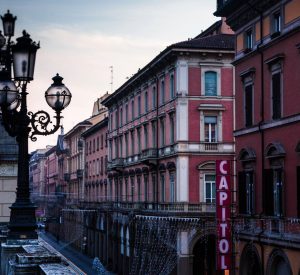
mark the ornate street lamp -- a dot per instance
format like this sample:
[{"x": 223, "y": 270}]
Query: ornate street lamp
[{"x": 22, "y": 124}]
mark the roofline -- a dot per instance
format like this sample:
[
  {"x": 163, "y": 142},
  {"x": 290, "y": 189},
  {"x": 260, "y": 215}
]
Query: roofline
[
  {"x": 94, "y": 128},
  {"x": 170, "y": 49},
  {"x": 80, "y": 124}
]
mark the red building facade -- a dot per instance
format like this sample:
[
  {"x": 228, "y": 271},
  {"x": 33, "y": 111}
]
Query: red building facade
[{"x": 267, "y": 146}]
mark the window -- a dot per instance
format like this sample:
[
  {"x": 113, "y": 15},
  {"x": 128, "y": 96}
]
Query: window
[
  {"x": 246, "y": 192},
  {"x": 111, "y": 122},
  {"x": 172, "y": 130},
  {"x": 146, "y": 136},
  {"x": 172, "y": 187},
  {"x": 94, "y": 145},
  {"x": 273, "y": 196},
  {"x": 132, "y": 188},
  {"x": 126, "y": 113},
  {"x": 210, "y": 83},
  {"x": 98, "y": 166},
  {"x": 154, "y": 97},
  {"x": 172, "y": 86},
  {"x": 276, "y": 95},
  {"x": 154, "y": 134},
  {"x": 116, "y": 120},
  {"x": 146, "y": 187},
  {"x": 110, "y": 149},
  {"x": 122, "y": 239},
  {"x": 101, "y": 166},
  {"x": 139, "y": 105},
  {"x": 249, "y": 40},
  {"x": 121, "y": 146},
  {"x": 210, "y": 188},
  {"x": 162, "y": 92},
  {"x": 132, "y": 142},
  {"x": 162, "y": 188},
  {"x": 106, "y": 163},
  {"x": 127, "y": 243},
  {"x": 98, "y": 143},
  {"x": 139, "y": 143},
  {"x": 153, "y": 187},
  {"x": 248, "y": 105},
  {"x": 126, "y": 189},
  {"x": 126, "y": 144},
  {"x": 121, "y": 117},
  {"x": 139, "y": 187},
  {"x": 162, "y": 133},
  {"x": 121, "y": 189},
  {"x": 101, "y": 141},
  {"x": 132, "y": 110},
  {"x": 210, "y": 128},
  {"x": 146, "y": 102},
  {"x": 276, "y": 24},
  {"x": 116, "y": 148},
  {"x": 87, "y": 148}
]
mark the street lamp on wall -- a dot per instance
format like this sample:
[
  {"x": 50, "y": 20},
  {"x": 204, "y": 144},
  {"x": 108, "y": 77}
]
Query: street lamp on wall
[{"x": 22, "y": 124}]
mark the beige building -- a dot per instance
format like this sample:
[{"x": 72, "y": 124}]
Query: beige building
[{"x": 8, "y": 173}]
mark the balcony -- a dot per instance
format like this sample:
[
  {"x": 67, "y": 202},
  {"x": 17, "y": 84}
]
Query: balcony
[
  {"x": 116, "y": 164},
  {"x": 67, "y": 177},
  {"x": 79, "y": 173},
  {"x": 151, "y": 207}
]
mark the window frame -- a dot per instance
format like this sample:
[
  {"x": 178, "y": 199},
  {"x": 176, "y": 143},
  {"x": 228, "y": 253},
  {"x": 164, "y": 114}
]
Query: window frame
[{"x": 212, "y": 188}]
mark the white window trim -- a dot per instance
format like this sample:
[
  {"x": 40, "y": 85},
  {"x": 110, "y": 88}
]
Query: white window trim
[
  {"x": 204, "y": 184},
  {"x": 219, "y": 116},
  {"x": 210, "y": 69}
]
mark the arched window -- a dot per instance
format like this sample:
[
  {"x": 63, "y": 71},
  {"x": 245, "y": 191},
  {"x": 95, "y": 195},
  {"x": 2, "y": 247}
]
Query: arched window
[{"x": 210, "y": 83}]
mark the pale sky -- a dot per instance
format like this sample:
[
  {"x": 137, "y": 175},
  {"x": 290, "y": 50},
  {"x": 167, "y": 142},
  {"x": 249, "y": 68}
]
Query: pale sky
[{"x": 80, "y": 40}]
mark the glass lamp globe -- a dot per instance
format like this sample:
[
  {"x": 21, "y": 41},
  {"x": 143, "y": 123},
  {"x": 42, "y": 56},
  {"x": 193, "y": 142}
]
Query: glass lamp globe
[
  {"x": 58, "y": 95},
  {"x": 8, "y": 89}
]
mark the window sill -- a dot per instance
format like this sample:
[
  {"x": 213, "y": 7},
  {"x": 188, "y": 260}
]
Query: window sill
[{"x": 275, "y": 34}]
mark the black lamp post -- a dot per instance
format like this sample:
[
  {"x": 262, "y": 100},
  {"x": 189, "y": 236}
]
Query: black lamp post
[{"x": 22, "y": 124}]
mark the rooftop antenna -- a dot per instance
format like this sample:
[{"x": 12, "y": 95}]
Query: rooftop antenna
[{"x": 111, "y": 78}]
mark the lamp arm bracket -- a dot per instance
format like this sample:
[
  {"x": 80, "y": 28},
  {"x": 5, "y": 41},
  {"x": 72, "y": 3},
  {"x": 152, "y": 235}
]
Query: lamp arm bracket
[{"x": 42, "y": 125}]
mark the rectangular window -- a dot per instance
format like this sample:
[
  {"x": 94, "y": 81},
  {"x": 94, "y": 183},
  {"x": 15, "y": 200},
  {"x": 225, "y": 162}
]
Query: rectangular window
[
  {"x": 249, "y": 40},
  {"x": 154, "y": 97},
  {"x": 246, "y": 192},
  {"x": 278, "y": 196},
  {"x": 146, "y": 102},
  {"x": 172, "y": 130},
  {"x": 210, "y": 83},
  {"x": 126, "y": 144},
  {"x": 162, "y": 92},
  {"x": 276, "y": 23},
  {"x": 276, "y": 95},
  {"x": 172, "y": 86},
  {"x": 154, "y": 133},
  {"x": 121, "y": 117},
  {"x": 98, "y": 143},
  {"x": 139, "y": 143},
  {"x": 132, "y": 188},
  {"x": 132, "y": 142},
  {"x": 139, "y": 106},
  {"x": 121, "y": 146},
  {"x": 101, "y": 141},
  {"x": 210, "y": 128},
  {"x": 210, "y": 188},
  {"x": 162, "y": 133},
  {"x": 139, "y": 188},
  {"x": 162, "y": 188},
  {"x": 249, "y": 105},
  {"x": 132, "y": 110},
  {"x": 116, "y": 120},
  {"x": 126, "y": 189},
  {"x": 126, "y": 113},
  {"x": 146, "y": 187},
  {"x": 273, "y": 192},
  {"x": 116, "y": 148},
  {"x": 145, "y": 136},
  {"x": 106, "y": 163},
  {"x": 101, "y": 166},
  {"x": 154, "y": 195},
  {"x": 172, "y": 188}
]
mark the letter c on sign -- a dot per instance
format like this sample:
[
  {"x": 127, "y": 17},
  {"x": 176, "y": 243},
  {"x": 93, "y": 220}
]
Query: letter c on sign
[{"x": 222, "y": 170}]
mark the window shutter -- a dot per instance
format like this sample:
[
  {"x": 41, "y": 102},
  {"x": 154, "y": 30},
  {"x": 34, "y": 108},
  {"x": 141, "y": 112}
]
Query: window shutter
[
  {"x": 242, "y": 193},
  {"x": 268, "y": 196},
  {"x": 211, "y": 83},
  {"x": 276, "y": 96},
  {"x": 248, "y": 105}
]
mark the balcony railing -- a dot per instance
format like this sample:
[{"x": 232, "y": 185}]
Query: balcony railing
[
  {"x": 150, "y": 153},
  {"x": 79, "y": 173},
  {"x": 116, "y": 163},
  {"x": 176, "y": 207}
]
